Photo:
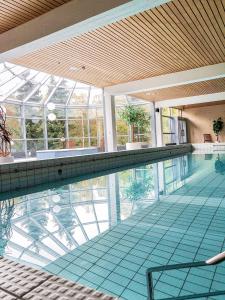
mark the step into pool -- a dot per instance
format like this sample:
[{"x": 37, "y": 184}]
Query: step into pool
[{"x": 105, "y": 232}]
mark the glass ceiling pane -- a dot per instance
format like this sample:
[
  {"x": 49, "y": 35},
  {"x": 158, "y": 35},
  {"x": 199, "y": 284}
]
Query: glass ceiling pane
[
  {"x": 79, "y": 97},
  {"x": 17, "y": 70},
  {"x": 60, "y": 96},
  {"x": 5, "y": 76},
  {"x": 2, "y": 68},
  {"x": 21, "y": 84},
  {"x": 67, "y": 83},
  {"x": 53, "y": 80},
  {"x": 42, "y": 94},
  {"x": 23, "y": 91},
  {"x": 8, "y": 65},
  {"x": 7, "y": 87}
]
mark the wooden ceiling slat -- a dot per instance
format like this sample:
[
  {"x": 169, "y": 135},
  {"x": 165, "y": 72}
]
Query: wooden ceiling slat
[
  {"x": 166, "y": 39},
  {"x": 165, "y": 31},
  {"x": 185, "y": 19},
  {"x": 149, "y": 53},
  {"x": 216, "y": 21},
  {"x": 152, "y": 43},
  {"x": 17, "y": 12},
  {"x": 188, "y": 90},
  {"x": 179, "y": 35},
  {"x": 217, "y": 16},
  {"x": 207, "y": 24},
  {"x": 199, "y": 27}
]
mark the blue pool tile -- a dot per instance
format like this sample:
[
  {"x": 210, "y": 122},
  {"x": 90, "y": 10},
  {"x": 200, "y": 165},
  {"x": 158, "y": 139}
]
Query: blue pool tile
[{"x": 131, "y": 295}]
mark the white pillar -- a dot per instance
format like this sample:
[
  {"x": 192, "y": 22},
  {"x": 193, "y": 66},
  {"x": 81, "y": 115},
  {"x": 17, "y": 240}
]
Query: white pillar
[
  {"x": 153, "y": 125},
  {"x": 114, "y": 199},
  {"x": 159, "y": 131},
  {"x": 110, "y": 123}
]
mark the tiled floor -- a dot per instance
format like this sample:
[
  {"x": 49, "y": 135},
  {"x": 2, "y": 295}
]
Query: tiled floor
[{"x": 21, "y": 282}]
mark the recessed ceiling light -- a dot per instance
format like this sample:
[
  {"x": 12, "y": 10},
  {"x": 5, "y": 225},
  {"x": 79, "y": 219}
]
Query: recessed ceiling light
[{"x": 74, "y": 69}]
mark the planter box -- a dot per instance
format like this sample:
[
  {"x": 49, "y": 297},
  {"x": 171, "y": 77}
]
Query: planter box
[{"x": 137, "y": 145}]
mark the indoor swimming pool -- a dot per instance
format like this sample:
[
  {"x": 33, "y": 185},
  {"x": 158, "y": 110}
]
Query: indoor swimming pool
[{"x": 106, "y": 231}]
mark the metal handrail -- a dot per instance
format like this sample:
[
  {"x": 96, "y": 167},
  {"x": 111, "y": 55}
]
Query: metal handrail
[{"x": 217, "y": 259}]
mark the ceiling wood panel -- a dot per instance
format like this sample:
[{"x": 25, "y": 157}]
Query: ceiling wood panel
[
  {"x": 16, "y": 12},
  {"x": 177, "y": 36},
  {"x": 187, "y": 90}
]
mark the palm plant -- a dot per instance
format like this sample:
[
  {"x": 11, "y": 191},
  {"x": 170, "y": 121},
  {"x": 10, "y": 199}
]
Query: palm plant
[{"x": 218, "y": 127}]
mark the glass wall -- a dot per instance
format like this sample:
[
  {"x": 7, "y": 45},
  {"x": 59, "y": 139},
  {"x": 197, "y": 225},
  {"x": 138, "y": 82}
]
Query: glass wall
[
  {"x": 168, "y": 125},
  {"x": 48, "y": 112},
  {"x": 123, "y": 130}
]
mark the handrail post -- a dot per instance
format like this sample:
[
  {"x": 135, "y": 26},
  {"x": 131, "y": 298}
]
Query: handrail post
[{"x": 150, "y": 285}]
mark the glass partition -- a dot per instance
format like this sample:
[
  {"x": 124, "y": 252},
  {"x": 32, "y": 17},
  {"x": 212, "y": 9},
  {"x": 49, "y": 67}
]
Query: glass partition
[{"x": 48, "y": 112}]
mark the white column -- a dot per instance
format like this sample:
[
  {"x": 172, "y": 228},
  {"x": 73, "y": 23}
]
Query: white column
[
  {"x": 153, "y": 125},
  {"x": 158, "y": 122},
  {"x": 114, "y": 199},
  {"x": 161, "y": 177},
  {"x": 109, "y": 123}
]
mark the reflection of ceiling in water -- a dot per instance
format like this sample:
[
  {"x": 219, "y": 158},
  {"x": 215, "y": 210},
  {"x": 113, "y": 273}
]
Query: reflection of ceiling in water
[
  {"x": 44, "y": 226},
  {"x": 38, "y": 228}
]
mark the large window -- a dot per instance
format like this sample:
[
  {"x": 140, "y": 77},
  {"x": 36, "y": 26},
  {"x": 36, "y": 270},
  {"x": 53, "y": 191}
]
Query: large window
[
  {"x": 168, "y": 125},
  {"x": 48, "y": 112},
  {"x": 123, "y": 130}
]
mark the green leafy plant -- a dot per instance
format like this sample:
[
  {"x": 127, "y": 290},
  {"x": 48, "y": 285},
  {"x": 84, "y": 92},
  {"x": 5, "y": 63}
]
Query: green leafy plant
[
  {"x": 138, "y": 188},
  {"x": 218, "y": 125},
  {"x": 136, "y": 117}
]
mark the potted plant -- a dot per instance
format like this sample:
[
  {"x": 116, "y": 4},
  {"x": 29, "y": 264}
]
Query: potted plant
[
  {"x": 5, "y": 139},
  {"x": 218, "y": 127},
  {"x": 137, "y": 118}
]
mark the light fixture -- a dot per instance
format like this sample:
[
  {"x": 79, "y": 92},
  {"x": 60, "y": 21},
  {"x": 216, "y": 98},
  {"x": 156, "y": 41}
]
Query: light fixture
[
  {"x": 56, "y": 209},
  {"x": 77, "y": 68},
  {"x": 51, "y": 106},
  {"x": 51, "y": 117},
  {"x": 74, "y": 68},
  {"x": 56, "y": 198}
]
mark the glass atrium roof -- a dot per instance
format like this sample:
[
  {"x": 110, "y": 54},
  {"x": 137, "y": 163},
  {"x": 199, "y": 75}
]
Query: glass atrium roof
[{"x": 21, "y": 85}]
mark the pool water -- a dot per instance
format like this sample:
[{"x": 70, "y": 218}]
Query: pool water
[{"x": 106, "y": 231}]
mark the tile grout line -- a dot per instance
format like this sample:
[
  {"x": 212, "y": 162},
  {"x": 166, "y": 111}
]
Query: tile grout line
[{"x": 38, "y": 285}]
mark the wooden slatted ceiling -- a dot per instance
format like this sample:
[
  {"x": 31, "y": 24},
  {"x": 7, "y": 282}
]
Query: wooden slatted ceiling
[
  {"x": 17, "y": 12},
  {"x": 201, "y": 104},
  {"x": 188, "y": 90},
  {"x": 177, "y": 36}
]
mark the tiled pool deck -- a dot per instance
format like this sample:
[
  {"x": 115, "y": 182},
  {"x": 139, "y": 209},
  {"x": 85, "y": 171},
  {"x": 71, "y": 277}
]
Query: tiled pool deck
[
  {"x": 19, "y": 282},
  {"x": 184, "y": 227}
]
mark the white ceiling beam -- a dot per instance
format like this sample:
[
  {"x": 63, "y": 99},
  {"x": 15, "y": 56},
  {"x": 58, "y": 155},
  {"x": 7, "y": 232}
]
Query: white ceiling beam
[
  {"x": 66, "y": 21},
  {"x": 191, "y": 100},
  {"x": 168, "y": 80}
]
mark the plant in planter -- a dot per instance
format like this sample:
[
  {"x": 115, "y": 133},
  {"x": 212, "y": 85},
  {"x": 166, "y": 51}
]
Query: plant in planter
[
  {"x": 5, "y": 138},
  {"x": 218, "y": 127},
  {"x": 137, "y": 118}
]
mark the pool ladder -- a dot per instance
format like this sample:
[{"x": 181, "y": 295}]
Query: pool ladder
[{"x": 217, "y": 259}]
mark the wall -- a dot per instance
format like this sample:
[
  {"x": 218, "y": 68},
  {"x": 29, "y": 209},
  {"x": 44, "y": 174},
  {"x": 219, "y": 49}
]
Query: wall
[
  {"x": 22, "y": 175},
  {"x": 200, "y": 121}
]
